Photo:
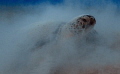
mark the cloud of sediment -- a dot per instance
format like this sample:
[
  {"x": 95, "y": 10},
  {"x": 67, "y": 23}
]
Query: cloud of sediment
[{"x": 22, "y": 28}]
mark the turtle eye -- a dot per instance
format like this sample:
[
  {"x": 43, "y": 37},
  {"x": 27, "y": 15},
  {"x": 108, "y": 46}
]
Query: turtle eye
[{"x": 84, "y": 20}]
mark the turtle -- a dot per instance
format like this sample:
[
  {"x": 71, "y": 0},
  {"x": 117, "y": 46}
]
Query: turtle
[{"x": 81, "y": 27}]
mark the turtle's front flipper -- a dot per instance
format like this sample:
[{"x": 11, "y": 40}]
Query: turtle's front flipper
[{"x": 50, "y": 37}]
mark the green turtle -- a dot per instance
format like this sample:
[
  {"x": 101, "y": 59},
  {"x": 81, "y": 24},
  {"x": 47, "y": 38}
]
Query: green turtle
[{"x": 81, "y": 26}]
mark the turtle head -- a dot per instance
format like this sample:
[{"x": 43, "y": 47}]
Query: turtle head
[{"x": 85, "y": 22}]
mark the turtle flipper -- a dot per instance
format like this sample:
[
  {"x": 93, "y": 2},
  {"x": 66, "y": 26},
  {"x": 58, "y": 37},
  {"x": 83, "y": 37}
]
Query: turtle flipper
[{"x": 49, "y": 38}]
